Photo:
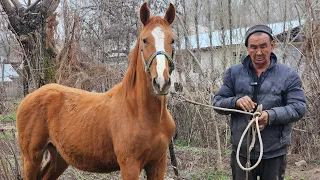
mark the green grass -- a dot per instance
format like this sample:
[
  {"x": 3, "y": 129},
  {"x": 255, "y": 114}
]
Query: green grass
[
  {"x": 196, "y": 150},
  {"x": 6, "y": 136},
  {"x": 209, "y": 174},
  {"x": 293, "y": 178},
  {"x": 316, "y": 161},
  {"x": 227, "y": 152},
  {"x": 8, "y": 118},
  {"x": 181, "y": 143}
]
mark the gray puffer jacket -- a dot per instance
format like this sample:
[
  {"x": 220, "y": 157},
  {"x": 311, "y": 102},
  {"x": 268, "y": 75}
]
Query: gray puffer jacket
[{"x": 280, "y": 93}]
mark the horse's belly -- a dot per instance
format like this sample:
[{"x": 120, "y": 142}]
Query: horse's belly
[
  {"x": 97, "y": 166},
  {"x": 88, "y": 159}
]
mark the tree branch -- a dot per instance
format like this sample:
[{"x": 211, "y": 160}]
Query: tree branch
[
  {"x": 186, "y": 34},
  {"x": 46, "y": 7},
  {"x": 49, "y": 6},
  {"x": 31, "y": 6},
  {"x": 6, "y": 6},
  {"x": 195, "y": 59},
  {"x": 17, "y": 4}
]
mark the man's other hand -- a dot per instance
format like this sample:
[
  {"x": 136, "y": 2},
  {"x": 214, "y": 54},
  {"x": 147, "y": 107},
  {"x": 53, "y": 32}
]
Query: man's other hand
[
  {"x": 263, "y": 119},
  {"x": 245, "y": 103}
]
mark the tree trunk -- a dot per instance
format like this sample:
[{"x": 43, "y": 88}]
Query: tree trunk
[
  {"x": 230, "y": 20},
  {"x": 196, "y": 23},
  {"x": 29, "y": 25}
]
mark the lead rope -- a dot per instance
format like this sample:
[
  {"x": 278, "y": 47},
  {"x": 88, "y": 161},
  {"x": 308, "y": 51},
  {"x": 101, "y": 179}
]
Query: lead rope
[{"x": 254, "y": 126}]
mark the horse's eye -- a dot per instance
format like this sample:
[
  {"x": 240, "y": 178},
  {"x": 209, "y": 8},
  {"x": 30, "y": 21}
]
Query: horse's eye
[
  {"x": 145, "y": 41},
  {"x": 172, "y": 42}
]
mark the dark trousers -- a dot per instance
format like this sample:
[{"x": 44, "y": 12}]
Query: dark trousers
[{"x": 268, "y": 169}]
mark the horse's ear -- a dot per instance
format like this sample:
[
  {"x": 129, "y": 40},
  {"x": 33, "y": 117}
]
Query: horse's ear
[
  {"x": 144, "y": 14},
  {"x": 170, "y": 13}
]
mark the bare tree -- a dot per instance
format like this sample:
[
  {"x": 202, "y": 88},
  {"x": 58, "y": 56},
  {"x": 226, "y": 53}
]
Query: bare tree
[
  {"x": 28, "y": 23},
  {"x": 230, "y": 20}
]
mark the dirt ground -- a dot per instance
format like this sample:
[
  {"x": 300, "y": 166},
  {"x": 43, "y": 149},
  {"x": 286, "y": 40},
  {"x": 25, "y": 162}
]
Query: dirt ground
[
  {"x": 198, "y": 164},
  {"x": 309, "y": 172},
  {"x": 194, "y": 164}
]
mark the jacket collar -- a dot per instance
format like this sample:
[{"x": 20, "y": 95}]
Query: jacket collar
[{"x": 247, "y": 63}]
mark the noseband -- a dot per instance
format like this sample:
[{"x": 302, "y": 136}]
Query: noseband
[{"x": 170, "y": 59}]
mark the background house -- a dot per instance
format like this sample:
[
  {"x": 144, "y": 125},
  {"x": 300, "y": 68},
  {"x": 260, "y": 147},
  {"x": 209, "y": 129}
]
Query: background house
[
  {"x": 10, "y": 79},
  {"x": 210, "y": 54},
  {"x": 10, "y": 60}
]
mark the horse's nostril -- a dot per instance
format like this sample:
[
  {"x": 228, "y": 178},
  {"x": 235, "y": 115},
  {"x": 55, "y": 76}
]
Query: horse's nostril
[{"x": 155, "y": 83}]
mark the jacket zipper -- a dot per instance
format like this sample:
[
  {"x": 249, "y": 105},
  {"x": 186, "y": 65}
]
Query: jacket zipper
[
  {"x": 281, "y": 135},
  {"x": 256, "y": 88}
]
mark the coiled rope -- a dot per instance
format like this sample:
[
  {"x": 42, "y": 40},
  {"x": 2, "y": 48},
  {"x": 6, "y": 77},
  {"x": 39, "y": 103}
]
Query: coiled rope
[{"x": 254, "y": 126}]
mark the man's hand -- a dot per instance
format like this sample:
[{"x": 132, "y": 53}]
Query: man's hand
[
  {"x": 263, "y": 119},
  {"x": 245, "y": 103}
]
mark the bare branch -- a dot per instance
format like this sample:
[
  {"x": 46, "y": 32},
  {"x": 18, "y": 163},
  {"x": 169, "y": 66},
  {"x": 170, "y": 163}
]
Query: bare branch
[
  {"x": 47, "y": 7},
  {"x": 6, "y": 6},
  {"x": 17, "y": 4},
  {"x": 195, "y": 59},
  {"x": 186, "y": 34},
  {"x": 255, "y": 9},
  {"x": 31, "y": 6},
  {"x": 305, "y": 131}
]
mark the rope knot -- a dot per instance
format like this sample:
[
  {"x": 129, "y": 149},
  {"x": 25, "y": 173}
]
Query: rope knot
[
  {"x": 256, "y": 114},
  {"x": 258, "y": 111}
]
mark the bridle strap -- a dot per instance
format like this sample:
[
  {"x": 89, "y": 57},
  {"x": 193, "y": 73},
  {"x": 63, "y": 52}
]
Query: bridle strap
[{"x": 170, "y": 59}]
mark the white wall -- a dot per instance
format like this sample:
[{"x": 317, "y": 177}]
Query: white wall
[{"x": 217, "y": 61}]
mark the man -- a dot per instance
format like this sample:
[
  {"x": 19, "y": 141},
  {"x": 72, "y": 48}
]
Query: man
[{"x": 260, "y": 79}]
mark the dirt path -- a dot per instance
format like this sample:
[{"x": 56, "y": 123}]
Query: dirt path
[
  {"x": 308, "y": 171},
  {"x": 200, "y": 164},
  {"x": 194, "y": 164}
]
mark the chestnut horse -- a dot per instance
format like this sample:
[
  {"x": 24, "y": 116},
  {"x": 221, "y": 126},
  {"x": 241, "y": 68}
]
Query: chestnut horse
[{"x": 127, "y": 128}]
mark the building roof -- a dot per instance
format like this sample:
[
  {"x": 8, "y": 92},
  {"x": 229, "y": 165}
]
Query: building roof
[
  {"x": 238, "y": 35},
  {"x": 9, "y": 73}
]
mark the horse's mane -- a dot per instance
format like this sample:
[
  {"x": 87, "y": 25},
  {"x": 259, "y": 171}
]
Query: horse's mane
[{"x": 130, "y": 76}]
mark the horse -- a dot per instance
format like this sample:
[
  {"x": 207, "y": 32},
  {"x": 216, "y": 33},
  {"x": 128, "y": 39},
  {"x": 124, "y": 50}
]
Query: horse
[{"x": 127, "y": 128}]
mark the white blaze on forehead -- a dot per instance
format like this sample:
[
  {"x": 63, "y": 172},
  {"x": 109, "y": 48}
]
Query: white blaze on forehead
[{"x": 158, "y": 36}]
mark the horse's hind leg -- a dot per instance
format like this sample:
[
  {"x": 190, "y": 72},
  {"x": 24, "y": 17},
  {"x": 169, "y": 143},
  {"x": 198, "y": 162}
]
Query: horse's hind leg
[
  {"x": 55, "y": 166},
  {"x": 32, "y": 154},
  {"x": 31, "y": 168}
]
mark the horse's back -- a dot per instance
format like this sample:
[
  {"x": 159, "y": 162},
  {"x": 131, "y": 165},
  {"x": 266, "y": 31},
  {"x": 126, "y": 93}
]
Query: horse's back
[
  {"x": 34, "y": 102},
  {"x": 47, "y": 96},
  {"x": 71, "y": 119},
  {"x": 54, "y": 102}
]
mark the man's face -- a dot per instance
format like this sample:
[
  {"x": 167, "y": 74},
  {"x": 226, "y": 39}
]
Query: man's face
[{"x": 260, "y": 48}]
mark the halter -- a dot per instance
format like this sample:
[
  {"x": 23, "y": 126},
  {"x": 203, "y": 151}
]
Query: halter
[{"x": 171, "y": 63}]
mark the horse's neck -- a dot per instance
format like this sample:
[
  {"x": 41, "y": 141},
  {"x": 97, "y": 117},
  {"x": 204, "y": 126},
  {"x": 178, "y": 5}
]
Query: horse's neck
[
  {"x": 141, "y": 93},
  {"x": 144, "y": 90},
  {"x": 146, "y": 101}
]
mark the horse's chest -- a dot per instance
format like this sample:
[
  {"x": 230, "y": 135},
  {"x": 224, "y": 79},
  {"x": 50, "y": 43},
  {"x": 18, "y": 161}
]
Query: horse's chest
[{"x": 159, "y": 144}]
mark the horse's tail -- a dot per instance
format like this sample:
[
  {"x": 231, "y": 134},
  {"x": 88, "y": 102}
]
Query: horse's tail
[{"x": 173, "y": 159}]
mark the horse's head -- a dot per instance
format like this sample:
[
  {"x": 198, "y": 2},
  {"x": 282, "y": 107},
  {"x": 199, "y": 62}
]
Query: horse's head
[{"x": 157, "y": 47}]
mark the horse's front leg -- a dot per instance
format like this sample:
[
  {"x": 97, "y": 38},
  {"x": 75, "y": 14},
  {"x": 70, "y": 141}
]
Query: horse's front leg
[
  {"x": 156, "y": 169},
  {"x": 130, "y": 171},
  {"x": 130, "y": 167}
]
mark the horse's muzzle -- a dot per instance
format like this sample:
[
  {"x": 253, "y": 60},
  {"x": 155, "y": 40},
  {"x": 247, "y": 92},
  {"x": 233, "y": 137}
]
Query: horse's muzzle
[{"x": 161, "y": 90}]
